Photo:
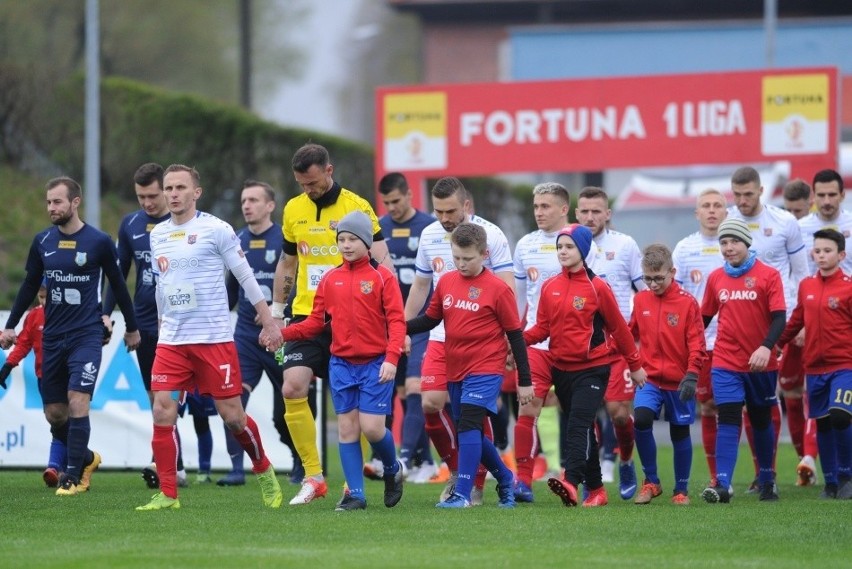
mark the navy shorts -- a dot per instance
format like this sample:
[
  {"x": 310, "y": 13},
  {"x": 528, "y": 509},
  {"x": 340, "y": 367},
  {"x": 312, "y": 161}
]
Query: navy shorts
[
  {"x": 828, "y": 391},
  {"x": 254, "y": 360},
  {"x": 71, "y": 362},
  {"x": 313, "y": 353}
]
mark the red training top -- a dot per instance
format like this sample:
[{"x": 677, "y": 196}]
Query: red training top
[
  {"x": 824, "y": 309},
  {"x": 670, "y": 333},
  {"x": 578, "y": 312},
  {"x": 364, "y": 302},
  {"x": 744, "y": 305},
  {"x": 29, "y": 339}
]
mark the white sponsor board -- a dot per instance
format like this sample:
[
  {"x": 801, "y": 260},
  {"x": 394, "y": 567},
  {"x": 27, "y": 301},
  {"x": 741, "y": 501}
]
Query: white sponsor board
[{"x": 121, "y": 417}]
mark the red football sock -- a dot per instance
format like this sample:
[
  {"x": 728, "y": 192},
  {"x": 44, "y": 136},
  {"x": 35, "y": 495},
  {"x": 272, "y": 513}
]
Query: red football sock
[
  {"x": 525, "y": 442},
  {"x": 442, "y": 433},
  {"x": 750, "y": 436},
  {"x": 165, "y": 446},
  {"x": 796, "y": 423},
  {"x": 626, "y": 440},
  {"x": 708, "y": 439},
  {"x": 249, "y": 439},
  {"x": 810, "y": 438}
]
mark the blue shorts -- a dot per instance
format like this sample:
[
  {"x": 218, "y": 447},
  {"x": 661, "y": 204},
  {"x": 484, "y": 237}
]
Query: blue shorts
[
  {"x": 199, "y": 405},
  {"x": 254, "y": 360},
  {"x": 71, "y": 363},
  {"x": 829, "y": 391},
  {"x": 751, "y": 388},
  {"x": 479, "y": 390},
  {"x": 655, "y": 399},
  {"x": 356, "y": 386}
]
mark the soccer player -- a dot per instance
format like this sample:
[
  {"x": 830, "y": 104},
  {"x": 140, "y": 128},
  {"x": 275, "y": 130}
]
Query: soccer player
[
  {"x": 479, "y": 312},
  {"x": 534, "y": 262},
  {"x": 825, "y": 308},
  {"x": 777, "y": 240},
  {"x": 133, "y": 246},
  {"x": 694, "y": 258},
  {"x": 797, "y": 198},
  {"x": 452, "y": 207},
  {"x": 362, "y": 300},
  {"x": 72, "y": 256},
  {"x": 310, "y": 245},
  {"x": 30, "y": 338},
  {"x": 402, "y": 227},
  {"x": 667, "y": 324},
  {"x": 749, "y": 299},
  {"x": 618, "y": 262},
  {"x": 829, "y": 194},
  {"x": 196, "y": 343},
  {"x": 579, "y": 313},
  {"x": 261, "y": 242}
]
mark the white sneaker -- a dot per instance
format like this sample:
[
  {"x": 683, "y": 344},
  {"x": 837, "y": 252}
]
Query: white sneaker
[
  {"x": 425, "y": 473},
  {"x": 182, "y": 481},
  {"x": 607, "y": 471},
  {"x": 311, "y": 489},
  {"x": 450, "y": 487},
  {"x": 374, "y": 470},
  {"x": 476, "y": 496},
  {"x": 412, "y": 473},
  {"x": 806, "y": 471}
]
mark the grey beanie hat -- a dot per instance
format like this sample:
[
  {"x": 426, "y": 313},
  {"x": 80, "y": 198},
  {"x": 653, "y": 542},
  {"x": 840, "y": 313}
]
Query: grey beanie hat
[
  {"x": 736, "y": 228},
  {"x": 358, "y": 224}
]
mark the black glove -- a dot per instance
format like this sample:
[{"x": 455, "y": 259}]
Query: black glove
[
  {"x": 686, "y": 389},
  {"x": 108, "y": 333},
  {"x": 4, "y": 373}
]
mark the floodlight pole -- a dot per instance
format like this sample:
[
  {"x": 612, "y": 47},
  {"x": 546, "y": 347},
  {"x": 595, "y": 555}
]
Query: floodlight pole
[
  {"x": 770, "y": 25},
  {"x": 92, "y": 175}
]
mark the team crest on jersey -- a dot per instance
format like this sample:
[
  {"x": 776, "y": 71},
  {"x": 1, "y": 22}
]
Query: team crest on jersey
[
  {"x": 191, "y": 239},
  {"x": 672, "y": 318},
  {"x": 474, "y": 292},
  {"x": 367, "y": 287},
  {"x": 695, "y": 276},
  {"x": 767, "y": 231},
  {"x": 750, "y": 282},
  {"x": 413, "y": 243},
  {"x": 80, "y": 259},
  {"x": 579, "y": 302},
  {"x": 270, "y": 256},
  {"x": 833, "y": 302},
  {"x": 610, "y": 255},
  {"x": 332, "y": 224}
]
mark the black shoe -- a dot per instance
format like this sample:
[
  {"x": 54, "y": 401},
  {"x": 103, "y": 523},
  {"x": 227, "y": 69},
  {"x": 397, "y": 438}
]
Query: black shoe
[
  {"x": 844, "y": 492},
  {"x": 767, "y": 492},
  {"x": 233, "y": 478},
  {"x": 349, "y": 503},
  {"x": 149, "y": 475},
  {"x": 716, "y": 494},
  {"x": 829, "y": 492},
  {"x": 393, "y": 486}
]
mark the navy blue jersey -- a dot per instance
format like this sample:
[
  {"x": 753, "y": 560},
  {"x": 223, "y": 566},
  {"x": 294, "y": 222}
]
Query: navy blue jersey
[
  {"x": 134, "y": 246},
  {"x": 403, "y": 239},
  {"x": 262, "y": 252},
  {"x": 72, "y": 265}
]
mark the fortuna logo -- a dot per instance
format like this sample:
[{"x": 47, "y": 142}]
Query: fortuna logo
[
  {"x": 366, "y": 287},
  {"x": 695, "y": 276},
  {"x": 474, "y": 292},
  {"x": 725, "y": 295},
  {"x": 579, "y": 302},
  {"x": 438, "y": 265},
  {"x": 672, "y": 318}
]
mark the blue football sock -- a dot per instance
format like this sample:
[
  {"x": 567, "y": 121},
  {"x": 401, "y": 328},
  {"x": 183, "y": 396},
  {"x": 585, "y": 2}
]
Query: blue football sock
[
  {"x": 413, "y": 425},
  {"x": 385, "y": 449},
  {"x": 495, "y": 465},
  {"x": 58, "y": 457},
  {"x": 470, "y": 453},
  {"x": 423, "y": 450},
  {"x": 205, "y": 451},
  {"x": 610, "y": 442},
  {"x": 352, "y": 461},
  {"x": 682, "y": 463},
  {"x": 646, "y": 446},
  {"x": 843, "y": 440},
  {"x": 727, "y": 446},
  {"x": 79, "y": 429},
  {"x": 235, "y": 451},
  {"x": 764, "y": 449},
  {"x": 826, "y": 443}
]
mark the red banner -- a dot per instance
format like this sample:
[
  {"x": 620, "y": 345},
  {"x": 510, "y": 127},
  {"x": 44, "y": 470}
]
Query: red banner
[{"x": 598, "y": 124}]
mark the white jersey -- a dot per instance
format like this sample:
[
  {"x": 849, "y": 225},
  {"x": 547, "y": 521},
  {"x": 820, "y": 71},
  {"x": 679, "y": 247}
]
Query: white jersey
[
  {"x": 812, "y": 223},
  {"x": 695, "y": 257},
  {"x": 535, "y": 261},
  {"x": 619, "y": 263},
  {"x": 189, "y": 260},
  {"x": 435, "y": 257},
  {"x": 777, "y": 240}
]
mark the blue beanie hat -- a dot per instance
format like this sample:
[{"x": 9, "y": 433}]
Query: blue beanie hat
[{"x": 581, "y": 235}]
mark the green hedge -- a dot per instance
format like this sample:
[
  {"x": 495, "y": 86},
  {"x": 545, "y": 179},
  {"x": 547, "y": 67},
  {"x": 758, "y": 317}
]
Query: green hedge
[{"x": 227, "y": 144}]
